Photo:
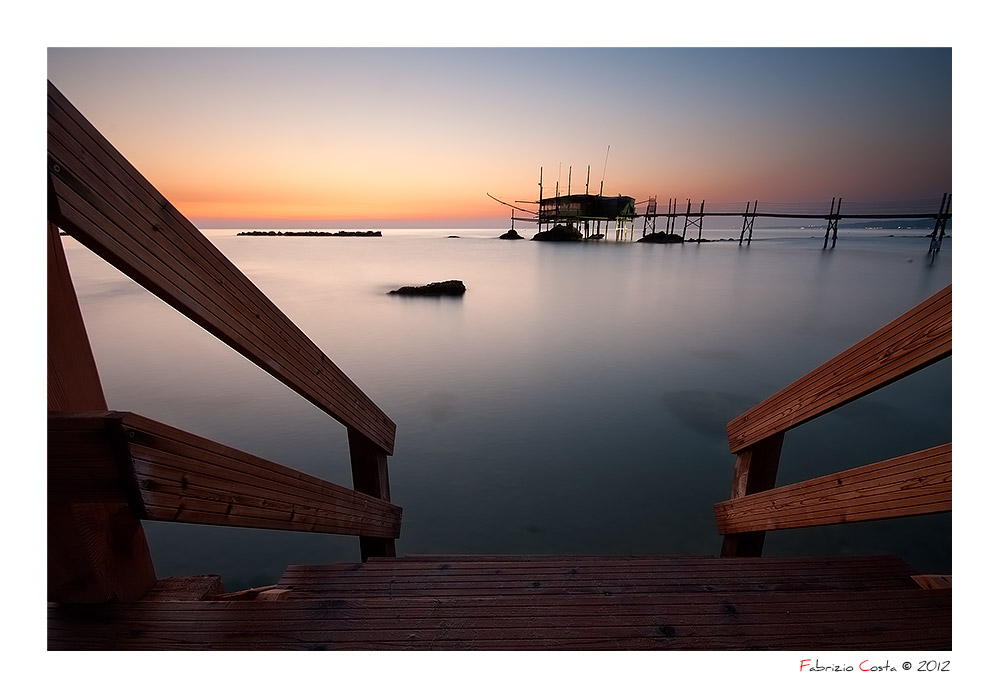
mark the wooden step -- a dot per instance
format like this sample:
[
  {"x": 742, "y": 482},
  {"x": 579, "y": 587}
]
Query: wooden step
[
  {"x": 912, "y": 619},
  {"x": 475, "y": 576},
  {"x": 542, "y": 602}
]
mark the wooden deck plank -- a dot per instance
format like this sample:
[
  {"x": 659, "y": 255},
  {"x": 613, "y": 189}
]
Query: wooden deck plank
[
  {"x": 658, "y": 565},
  {"x": 933, "y": 582},
  {"x": 898, "y": 619},
  {"x": 561, "y": 576},
  {"x": 914, "y": 340},
  {"x": 191, "y": 588},
  {"x": 98, "y": 197},
  {"x": 914, "y": 484}
]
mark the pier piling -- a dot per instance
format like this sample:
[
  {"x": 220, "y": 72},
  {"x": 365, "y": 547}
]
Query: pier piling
[
  {"x": 831, "y": 222},
  {"x": 937, "y": 235},
  {"x": 748, "y": 219}
]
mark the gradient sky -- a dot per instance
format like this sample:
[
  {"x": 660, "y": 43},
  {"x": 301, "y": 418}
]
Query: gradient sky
[{"x": 401, "y": 137}]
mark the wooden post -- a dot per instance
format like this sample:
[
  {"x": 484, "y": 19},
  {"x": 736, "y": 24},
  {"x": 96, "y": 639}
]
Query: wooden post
[
  {"x": 831, "y": 223},
  {"x": 756, "y": 470},
  {"x": 97, "y": 552},
  {"x": 836, "y": 223},
  {"x": 748, "y": 220},
  {"x": 370, "y": 470},
  {"x": 746, "y": 217},
  {"x": 937, "y": 236}
]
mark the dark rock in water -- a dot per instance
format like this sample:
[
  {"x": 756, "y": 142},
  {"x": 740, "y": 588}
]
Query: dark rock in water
[
  {"x": 452, "y": 287},
  {"x": 560, "y": 233},
  {"x": 511, "y": 235},
  {"x": 661, "y": 238}
]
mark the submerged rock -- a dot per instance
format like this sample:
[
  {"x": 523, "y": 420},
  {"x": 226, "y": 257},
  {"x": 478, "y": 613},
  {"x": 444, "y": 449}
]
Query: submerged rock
[
  {"x": 453, "y": 287},
  {"x": 511, "y": 235},
  {"x": 560, "y": 232}
]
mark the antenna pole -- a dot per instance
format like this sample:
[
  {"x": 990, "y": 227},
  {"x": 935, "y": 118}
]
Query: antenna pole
[
  {"x": 605, "y": 169},
  {"x": 540, "y": 199}
]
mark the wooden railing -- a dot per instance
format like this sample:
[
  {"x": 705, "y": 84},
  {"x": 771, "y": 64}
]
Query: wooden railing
[
  {"x": 918, "y": 483},
  {"x": 108, "y": 470},
  {"x": 163, "y": 473}
]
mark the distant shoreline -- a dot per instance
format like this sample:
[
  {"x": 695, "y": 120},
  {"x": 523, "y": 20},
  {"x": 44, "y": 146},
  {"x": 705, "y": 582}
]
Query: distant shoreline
[{"x": 323, "y": 234}]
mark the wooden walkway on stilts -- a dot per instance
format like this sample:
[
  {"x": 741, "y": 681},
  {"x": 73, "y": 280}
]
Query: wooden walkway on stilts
[{"x": 109, "y": 470}]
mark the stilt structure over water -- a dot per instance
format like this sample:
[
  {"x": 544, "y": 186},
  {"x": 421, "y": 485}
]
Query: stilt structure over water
[
  {"x": 587, "y": 211},
  {"x": 108, "y": 471}
]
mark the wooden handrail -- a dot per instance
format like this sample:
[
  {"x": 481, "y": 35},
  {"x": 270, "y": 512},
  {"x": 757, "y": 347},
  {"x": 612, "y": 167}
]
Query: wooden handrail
[
  {"x": 166, "y": 474},
  {"x": 97, "y": 196},
  {"x": 915, "y": 484},
  {"x": 916, "y": 339}
]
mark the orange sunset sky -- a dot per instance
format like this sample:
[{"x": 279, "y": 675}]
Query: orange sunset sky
[{"x": 417, "y": 137}]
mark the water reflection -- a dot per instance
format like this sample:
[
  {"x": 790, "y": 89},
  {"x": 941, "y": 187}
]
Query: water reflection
[
  {"x": 706, "y": 412},
  {"x": 573, "y": 401}
]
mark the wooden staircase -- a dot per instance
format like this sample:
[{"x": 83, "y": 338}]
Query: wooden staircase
[{"x": 110, "y": 470}]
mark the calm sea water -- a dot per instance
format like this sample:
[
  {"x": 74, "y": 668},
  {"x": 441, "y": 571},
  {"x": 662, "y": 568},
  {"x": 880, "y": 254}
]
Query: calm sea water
[{"x": 574, "y": 401}]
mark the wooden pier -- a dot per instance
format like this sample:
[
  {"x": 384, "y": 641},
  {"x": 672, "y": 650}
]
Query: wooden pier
[
  {"x": 695, "y": 218},
  {"x": 109, "y": 470},
  {"x": 557, "y": 210}
]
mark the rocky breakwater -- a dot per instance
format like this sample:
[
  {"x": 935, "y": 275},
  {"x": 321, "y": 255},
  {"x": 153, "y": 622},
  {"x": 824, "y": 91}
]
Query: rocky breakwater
[{"x": 321, "y": 234}]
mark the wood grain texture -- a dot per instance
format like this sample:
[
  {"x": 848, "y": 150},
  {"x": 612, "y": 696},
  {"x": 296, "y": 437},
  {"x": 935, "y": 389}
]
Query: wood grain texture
[
  {"x": 756, "y": 471},
  {"x": 914, "y": 484},
  {"x": 370, "y": 473},
  {"x": 876, "y": 619},
  {"x": 73, "y": 381},
  {"x": 82, "y": 462},
  {"x": 544, "y": 603},
  {"x": 185, "y": 589},
  {"x": 933, "y": 582},
  {"x": 182, "y": 477},
  {"x": 172, "y": 475},
  {"x": 495, "y": 576},
  {"x": 916, "y": 339},
  {"x": 98, "y": 197}
]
